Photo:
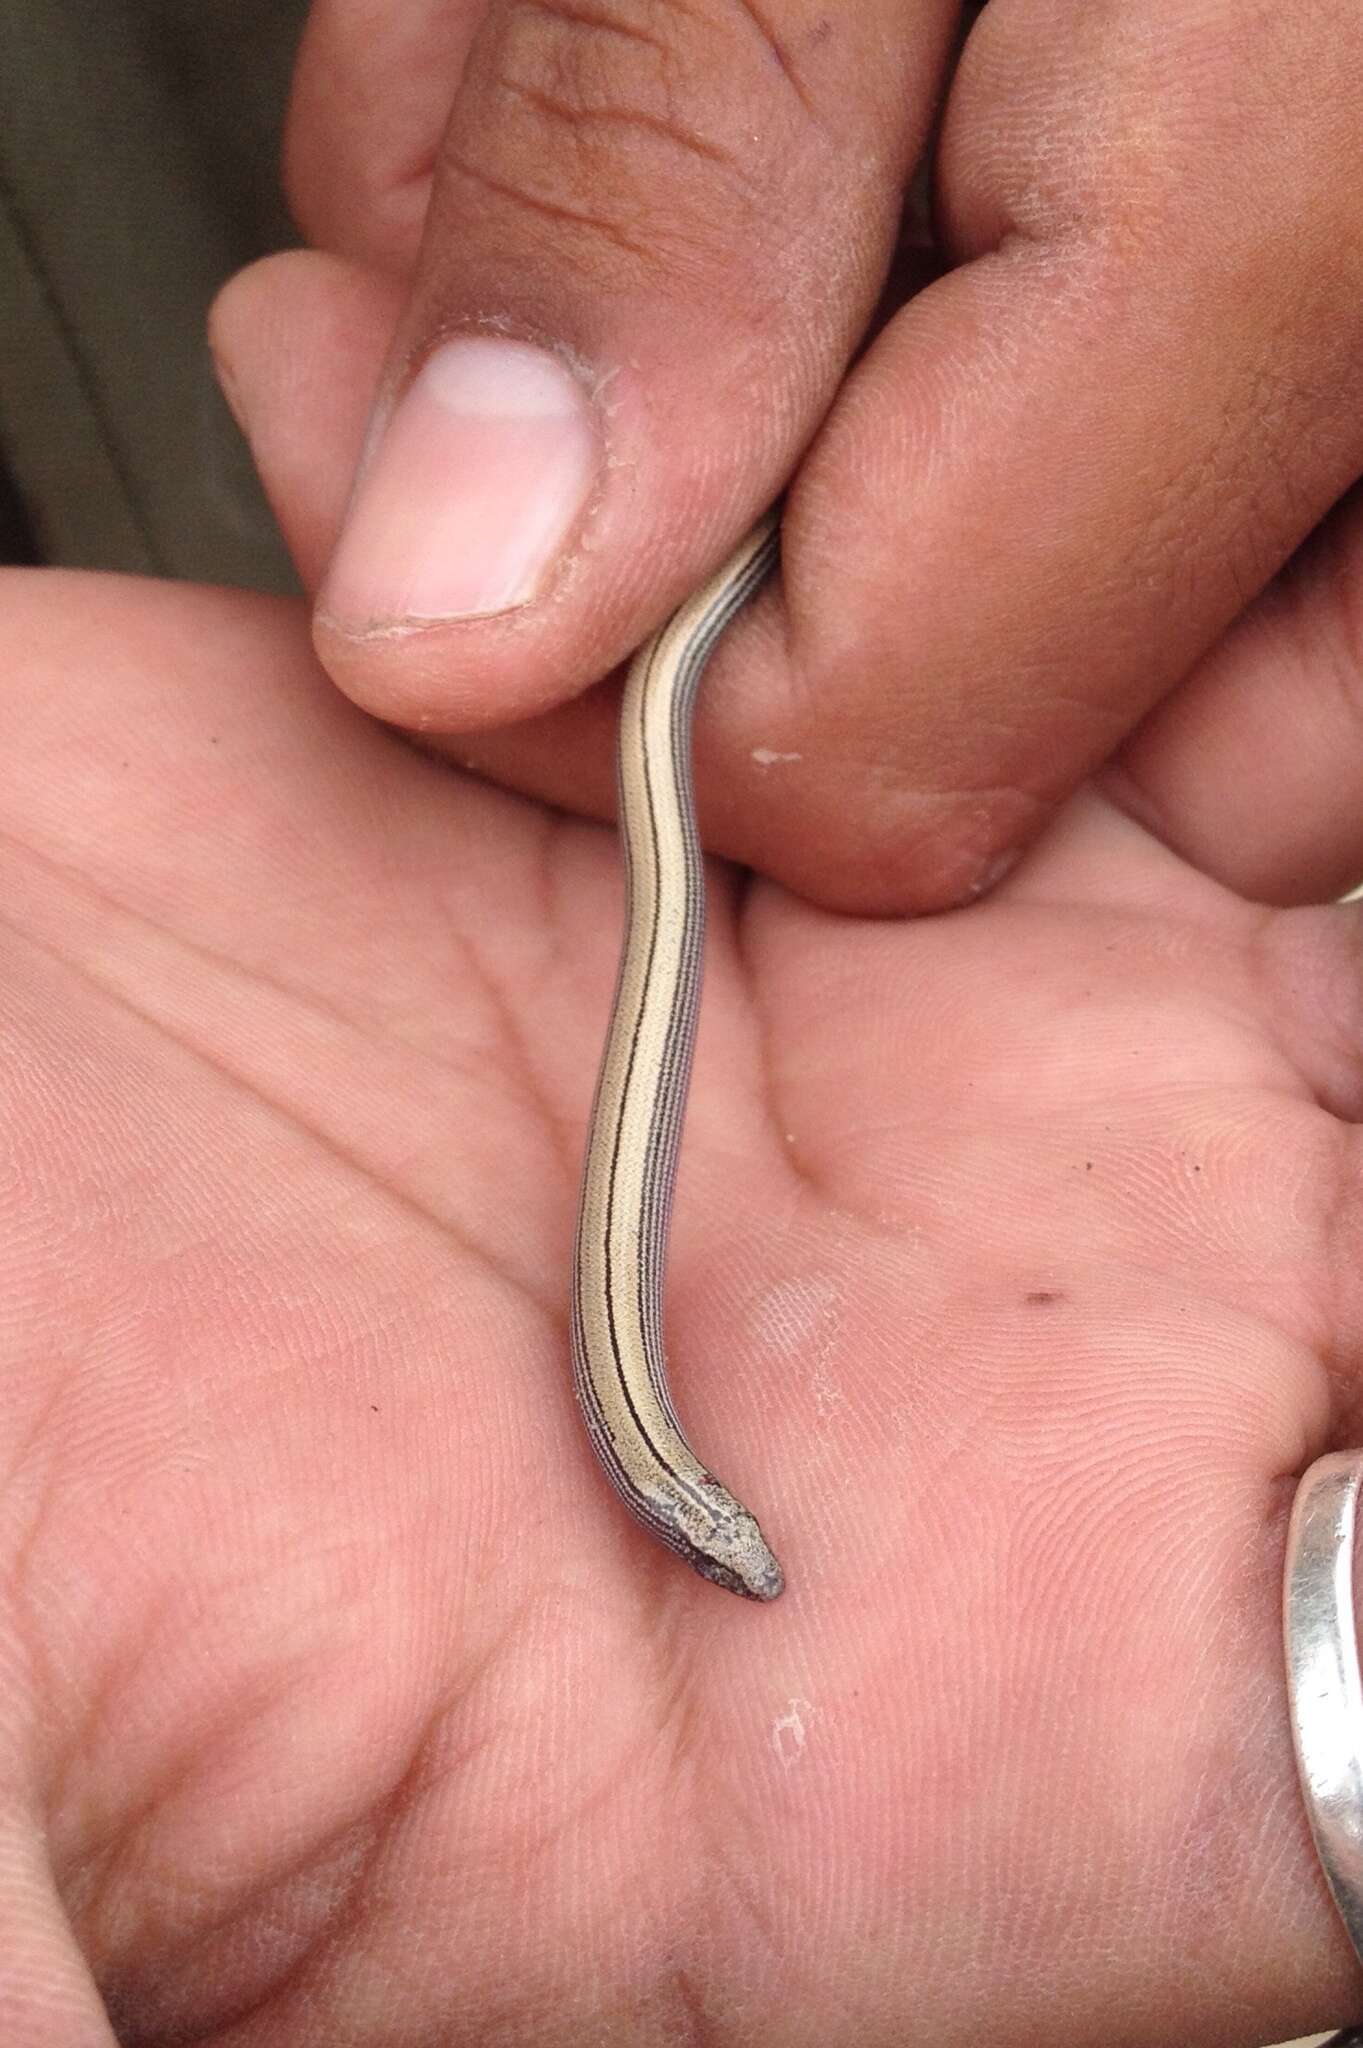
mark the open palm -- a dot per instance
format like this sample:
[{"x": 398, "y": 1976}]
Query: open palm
[{"x": 1010, "y": 1287}]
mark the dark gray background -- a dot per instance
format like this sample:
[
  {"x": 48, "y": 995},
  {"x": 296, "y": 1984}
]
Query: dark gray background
[{"x": 139, "y": 147}]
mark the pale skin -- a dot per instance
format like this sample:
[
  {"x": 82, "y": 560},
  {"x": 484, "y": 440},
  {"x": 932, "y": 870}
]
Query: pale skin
[{"x": 1015, "y": 1275}]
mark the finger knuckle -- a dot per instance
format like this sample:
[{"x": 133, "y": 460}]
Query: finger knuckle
[
  {"x": 627, "y": 129},
  {"x": 1149, "y": 125}
]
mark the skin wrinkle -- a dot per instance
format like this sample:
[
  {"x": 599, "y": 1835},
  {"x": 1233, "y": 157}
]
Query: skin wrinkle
[
  {"x": 806, "y": 1183},
  {"x": 554, "y": 211},
  {"x": 1340, "y": 1365},
  {"x": 353, "y": 1021},
  {"x": 559, "y": 915},
  {"x": 739, "y": 1884},
  {"x": 49, "y": 1497},
  {"x": 1107, "y": 725},
  {"x": 1276, "y": 1003},
  {"x": 804, "y": 1180},
  {"x": 122, "y": 1860},
  {"x": 554, "y": 1121},
  {"x": 410, "y": 182},
  {"x": 1340, "y": 1362},
  {"x": 1229, "y": 1299},
  {"x": 411, "y": 1204},
  {"x": 1348, "y": 584},
  {"x": 451, "y": 1753},
  {"x": 1321, "y": 577},
  {"x": 1139, "y": 138},
  {"x": 773, "y": 43},
  {"x": 1339, "y": 655},
  {"x": 1299, "y": 631},
  {"x": 959, "y": 865},
  {"x": 333, "y": 1934},
  {"x": 678, "y": 1721},
  {"x": 1129, "y": 792},
  {"x": 576, "y": 94},
  {"x": 124, "y": 1849},
  {"x": 719, "y": 1911},
  {"x": 416, "y": 1776},
  {"x": 599, "y": 1800},
  {"x": 382, "y": 1817},
  {"x": 1154, "y": 1269},
  {"x": 1213, "y": 1832},
  {"x": 563, "y": 1130},
  {"x": 665, "y": 1599},
  {"x": 669, "y": 235},
  {"x": 575, "y": 116},
  {"x": 1213, "y": 474},
  {"x": 559, "y": 11},
  {"x": 690, "y": 2002},
  {"x": 24, "y": 1448},
  {"x": 313, "y": 1954},
  {"x": 26, "y": 1641},
  {"x": 85, "y": 1871}
]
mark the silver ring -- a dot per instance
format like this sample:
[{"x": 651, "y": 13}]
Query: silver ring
[{"x": 1324, "y": 1687}]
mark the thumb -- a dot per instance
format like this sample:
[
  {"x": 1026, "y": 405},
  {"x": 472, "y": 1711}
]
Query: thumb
[{"x": 654, "y": 239}]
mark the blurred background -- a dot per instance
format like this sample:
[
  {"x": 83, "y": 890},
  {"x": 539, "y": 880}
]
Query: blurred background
[{"x": 138, "y": 169}]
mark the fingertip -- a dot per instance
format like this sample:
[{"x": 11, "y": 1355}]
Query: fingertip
[
  {"x": 269, "y": 329},
  {"x": 861, "y": 840},
  {"x": 446, "y": 676},
  {"x": 232, "y": 324},
  {"x": 935, "y": 867}
]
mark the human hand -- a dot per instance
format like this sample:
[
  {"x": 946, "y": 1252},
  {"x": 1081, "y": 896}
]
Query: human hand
[
  {"x": 1014, "y": 1275},
  {"x": 1036, "y": 503}
]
